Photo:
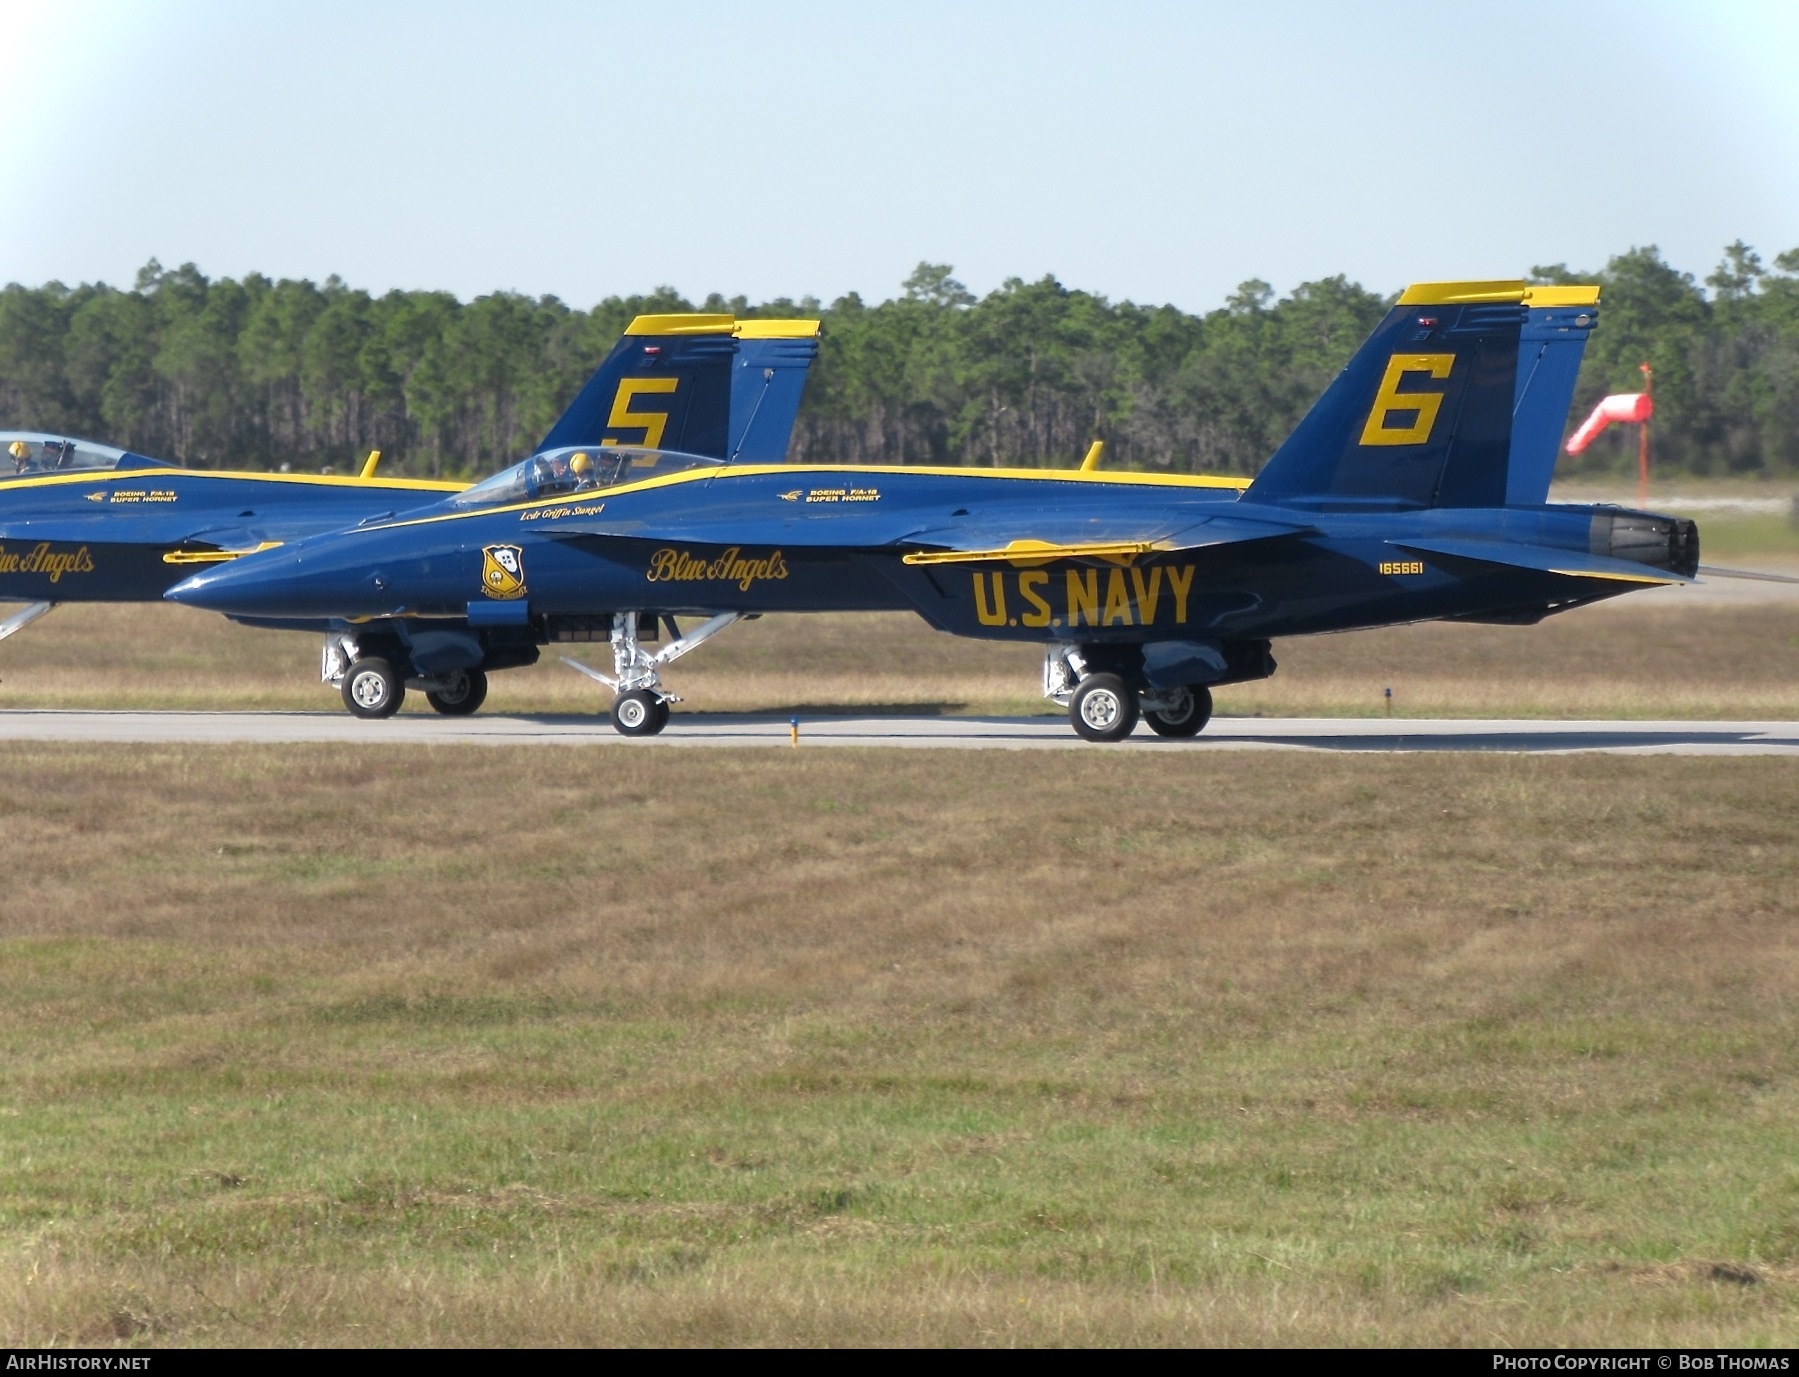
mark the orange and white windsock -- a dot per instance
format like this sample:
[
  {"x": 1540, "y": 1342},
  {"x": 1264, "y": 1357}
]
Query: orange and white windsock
[{"x": 1625, "y": 407}]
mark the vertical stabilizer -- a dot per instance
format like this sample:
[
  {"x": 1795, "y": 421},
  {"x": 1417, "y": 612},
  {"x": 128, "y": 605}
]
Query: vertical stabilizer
[
  {"x": 666, "y": 384},
  {"x": 1422, "y": 416},
  {"x": 1550, "y": 347},
  {"x": 767, "y": 380}
]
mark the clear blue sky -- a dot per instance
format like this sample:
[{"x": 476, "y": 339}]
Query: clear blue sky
[{"x": 1161, "y": 152}]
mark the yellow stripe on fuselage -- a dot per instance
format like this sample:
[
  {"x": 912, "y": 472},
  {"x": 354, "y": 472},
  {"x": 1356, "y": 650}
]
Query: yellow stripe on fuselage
[
  {"x": 1157, "y": 480},
  {"x": 1154, "y": 480},
  {"x": 328, "y": 480}
]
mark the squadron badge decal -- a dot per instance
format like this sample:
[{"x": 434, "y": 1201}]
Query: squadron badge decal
[{"x": 503, "y": 571}]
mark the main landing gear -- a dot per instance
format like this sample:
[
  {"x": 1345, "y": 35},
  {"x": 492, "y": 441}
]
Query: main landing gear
[
  {"x": 1103, "y": 707},
  {"x": 641, "y": 705},
  {"x": 458, "y": 693},
  {"x": 372, "y": 688},
  {"x": 374, "y": 685},
  {"x": 1184, "y": 711}
]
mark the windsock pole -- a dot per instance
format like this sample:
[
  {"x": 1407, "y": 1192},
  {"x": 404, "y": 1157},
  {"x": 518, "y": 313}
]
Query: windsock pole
[{"x": 1643, "y": 436}]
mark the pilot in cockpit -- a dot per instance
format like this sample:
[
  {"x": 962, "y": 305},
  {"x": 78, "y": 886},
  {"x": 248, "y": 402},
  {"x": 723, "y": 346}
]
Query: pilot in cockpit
[
  {"x": 548, "y": 476},
  {"x": 551, "y": 475},
  {"x": 53, "y": 454}
]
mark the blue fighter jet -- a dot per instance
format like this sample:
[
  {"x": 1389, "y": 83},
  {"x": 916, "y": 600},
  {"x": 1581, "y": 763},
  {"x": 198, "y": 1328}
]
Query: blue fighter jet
[
  {"x": 1414, "y": 490},
  {"x": 84, "y": 522}
]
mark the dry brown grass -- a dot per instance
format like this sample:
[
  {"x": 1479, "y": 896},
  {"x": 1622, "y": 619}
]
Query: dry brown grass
[
  {"x": 1649, "y": 659},
  {"x": 1644, "y": 660},
  {"x": 510, "y": 1047}
]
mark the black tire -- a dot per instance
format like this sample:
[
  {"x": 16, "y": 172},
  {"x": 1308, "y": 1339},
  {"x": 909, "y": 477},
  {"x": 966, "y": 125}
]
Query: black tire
[
  {"x": 639, "y": 713},
  {"x": 372, "y": 689},
  {"x": 1188, "y": 718},
  {"x": 1103, "y": 708},
  {"x": 467, "y": 691}
]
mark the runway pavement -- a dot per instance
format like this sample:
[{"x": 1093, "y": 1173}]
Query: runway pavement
[{"x": 968, "y": 733}]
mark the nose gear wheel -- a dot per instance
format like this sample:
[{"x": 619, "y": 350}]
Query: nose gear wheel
[{"x": 639, "y": 713}]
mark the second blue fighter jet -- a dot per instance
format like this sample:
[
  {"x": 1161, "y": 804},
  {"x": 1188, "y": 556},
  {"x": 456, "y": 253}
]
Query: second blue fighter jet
[
  {"x": 84, "y": 522},
  {"x": 1415, "y": 489}
]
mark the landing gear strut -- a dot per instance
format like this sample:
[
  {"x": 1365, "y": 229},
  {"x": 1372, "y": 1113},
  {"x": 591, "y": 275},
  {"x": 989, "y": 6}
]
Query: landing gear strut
[
  {"x": 24, "y": 618},
  {"x": 641, "y": 707}
]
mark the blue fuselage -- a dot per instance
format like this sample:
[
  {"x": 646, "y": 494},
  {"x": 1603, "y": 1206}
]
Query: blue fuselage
[
  {"x": 129, "y": 534},
  {"x": 798, "y": 539}
]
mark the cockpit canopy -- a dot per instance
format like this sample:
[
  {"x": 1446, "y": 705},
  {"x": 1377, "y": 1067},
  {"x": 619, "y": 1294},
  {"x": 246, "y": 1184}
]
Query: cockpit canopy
[
  {"x": 578, "y": 469},
  {"x": 33, "y": 451}
]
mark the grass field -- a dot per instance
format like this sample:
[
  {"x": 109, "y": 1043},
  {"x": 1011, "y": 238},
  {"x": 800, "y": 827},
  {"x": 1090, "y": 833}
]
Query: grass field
[
  {"x": 519, "y": 1047},
  {"x": 499, "y": 1047}
]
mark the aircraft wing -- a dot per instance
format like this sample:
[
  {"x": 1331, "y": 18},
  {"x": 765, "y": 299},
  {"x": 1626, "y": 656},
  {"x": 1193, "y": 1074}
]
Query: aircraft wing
[
  {"x": 938, "y": 538},
  {"x": 110, "y": 528},
  {"x": 190, "y": 546},
  {"x": 1075, "y": 535},
  {"x": 1544, "y": 559}
]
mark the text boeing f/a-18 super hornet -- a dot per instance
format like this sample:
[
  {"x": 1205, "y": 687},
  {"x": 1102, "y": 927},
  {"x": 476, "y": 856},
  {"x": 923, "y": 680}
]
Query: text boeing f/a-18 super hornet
[
  {"x": 1415, "y": 489},
  {"x": 83, "y": 522}
]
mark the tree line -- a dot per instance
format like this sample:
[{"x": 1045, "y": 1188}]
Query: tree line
[{"x": 259, "y": 373}]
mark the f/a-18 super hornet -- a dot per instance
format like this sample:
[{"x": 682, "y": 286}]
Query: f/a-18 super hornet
[
  {"x": 1415, "y": 489},
  {"x": 85, "y": 522}
]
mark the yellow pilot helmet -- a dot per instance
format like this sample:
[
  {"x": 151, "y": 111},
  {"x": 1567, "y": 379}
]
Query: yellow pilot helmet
[
  {"x": 18, "y": 449},
  {"x": 580, "y": 465}
]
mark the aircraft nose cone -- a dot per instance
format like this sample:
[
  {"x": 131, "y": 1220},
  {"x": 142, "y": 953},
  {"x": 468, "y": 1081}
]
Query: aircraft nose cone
[
  {"x": 326, "y": 577},
  {"x": 243, "y": 587}
]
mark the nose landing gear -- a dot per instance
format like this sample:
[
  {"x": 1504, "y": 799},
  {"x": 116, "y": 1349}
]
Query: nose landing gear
[
  {"x": 641, "y": 707},
  {"x": 639, "y": 713}
]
